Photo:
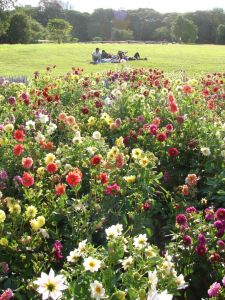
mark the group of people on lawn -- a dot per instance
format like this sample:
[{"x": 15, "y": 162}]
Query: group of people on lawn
[{"x": 104, "y": 57}]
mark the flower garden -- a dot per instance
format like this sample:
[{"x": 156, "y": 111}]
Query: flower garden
[{"x": 112, "y": 186}]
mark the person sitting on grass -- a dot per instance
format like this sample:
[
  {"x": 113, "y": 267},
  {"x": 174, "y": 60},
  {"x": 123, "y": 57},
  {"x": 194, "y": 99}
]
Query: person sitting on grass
[
  {"x": 96, "y": 56},
  {"x": 105, "y": 55}
]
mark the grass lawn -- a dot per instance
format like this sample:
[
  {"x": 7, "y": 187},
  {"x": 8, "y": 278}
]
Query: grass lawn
[{"x": 25, "y": 59}]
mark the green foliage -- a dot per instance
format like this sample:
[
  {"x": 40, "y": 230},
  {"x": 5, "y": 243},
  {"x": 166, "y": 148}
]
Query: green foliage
[
  {"x": 59, "y": 29},
  {"x": 4, "y": 4},
  {"x": 97, "y": 39},
  {"x": 38, "y": 32},
  {"x": 4, "y": 22},
  {"x": 122, "y": 34},
  {"x": 19, "y": 30},
  {"x": 221, "y": 34},
  {"x": 184, "y": 30}
]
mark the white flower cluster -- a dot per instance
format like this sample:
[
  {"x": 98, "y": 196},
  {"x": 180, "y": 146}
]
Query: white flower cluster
[{"x": 114, "y": 231}]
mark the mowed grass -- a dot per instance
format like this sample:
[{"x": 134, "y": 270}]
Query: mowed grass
[{"x": 26, "y": 59}]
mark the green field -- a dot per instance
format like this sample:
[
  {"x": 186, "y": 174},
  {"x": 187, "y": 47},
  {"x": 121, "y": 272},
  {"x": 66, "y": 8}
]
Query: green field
[{"x": 25, "y": 59}]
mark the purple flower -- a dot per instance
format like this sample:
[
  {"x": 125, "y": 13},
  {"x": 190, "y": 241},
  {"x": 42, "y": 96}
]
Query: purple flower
[
  {"x": 223, "y": 281},
  {"x": 200, "y": 249},
  {"x": 187, "y": 240},
  {"x": 5, "y": 267},
  {"x": 220, "y": 214},
  {"x": 17, "y": 180},
  {"x": 191, "y": 210},
  {"x": 140, "y": 119},
  {"x": 220, "y": 232},
  {"x": 201, "y": 238},
  {"x": 221, "y": 244},
  {"x": 218, "y": 224},
  {"x": 214, "y": 289},
  {"x": 3, "y": 175},
  {"x": 12, "y": 100},
  {"x": 166, "y": 176},
  {"x": 181, "y": 219}
]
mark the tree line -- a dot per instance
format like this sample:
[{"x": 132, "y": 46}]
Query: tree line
[{"x": 49, "y": 21}]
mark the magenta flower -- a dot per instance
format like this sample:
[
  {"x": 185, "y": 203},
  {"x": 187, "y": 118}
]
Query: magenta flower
[
  {"x": 214, "y": 289},
  {"x": 7, "y": 295},
  {"x": 191, "y": 210},
  {"x": 112, "y": 189},
  {"x": 221, "y": 244},
  {"x": 181, "y": 219},
  {"x": 220, "y": 214},
  {"x": 57, "y": 250},
  {"x": 3, "y": 175},
  {"x": 200, "y": 249},
  {"x": 201, "y": 238},
  {"x": 187, "y": 240}
]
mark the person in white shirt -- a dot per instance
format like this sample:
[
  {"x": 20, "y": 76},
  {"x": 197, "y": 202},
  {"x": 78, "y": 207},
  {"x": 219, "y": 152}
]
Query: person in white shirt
[{"x": 96, "y": 56}]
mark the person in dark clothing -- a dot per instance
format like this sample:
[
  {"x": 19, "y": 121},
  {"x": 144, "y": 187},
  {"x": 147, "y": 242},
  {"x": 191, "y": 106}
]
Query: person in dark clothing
[{"x": 105, "y": 55}]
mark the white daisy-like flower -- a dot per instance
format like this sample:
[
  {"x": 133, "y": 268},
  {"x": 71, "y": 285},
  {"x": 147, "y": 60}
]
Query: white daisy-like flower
[
  {"x": 44, "y": 233},
  {"x": 116, "y": 93},
  {"x": 114, "y": 231},
  {"x": 39, "y": 137},
  {"x": 73, "y": 256},
  {"x": 153, "y": 279},
  {"x": 43, "y": 118},
  {"x": 77, "y": 137},
  {"x": 127, "y": 262},
  {"x": 150, "y": 252},
  {"x": 91, "y": 264},
  {"x": 205, "y": 151},
  {"x": 91, "y": 150},
  {"x": 30, "y": 125},
  {"x": 82, "y": 247},
  {"x": 51, "y": 128},
  {"x": 50, "y": 286},
  {"x": 140, "y": 241},
  {"x": 96, "y": 135},
  {"x": 181, "y": 284},
  {"x": 154, "y": 295},
  {"x": 97, "y": 290}
]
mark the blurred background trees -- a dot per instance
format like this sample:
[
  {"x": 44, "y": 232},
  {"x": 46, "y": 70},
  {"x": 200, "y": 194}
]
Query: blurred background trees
[{"x": 203, "y": 27}]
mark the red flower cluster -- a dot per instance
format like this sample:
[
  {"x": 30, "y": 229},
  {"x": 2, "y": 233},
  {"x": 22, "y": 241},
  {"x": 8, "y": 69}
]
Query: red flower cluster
[
  {"x": 18, "y": 150},
  {"x": 60, "y": 189},
  {"x": 27, "y": 179},
  {"x": 19, "y": 135},
  {"x": 74, "y": 178},
  {"x": 173, "y": 152},
  {"x": 52, "y": 167}
]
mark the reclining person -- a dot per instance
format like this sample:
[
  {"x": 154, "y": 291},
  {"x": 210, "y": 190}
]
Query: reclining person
[
  {"x": 96, "y": 56},
  {"x": 136, "y": 57}
]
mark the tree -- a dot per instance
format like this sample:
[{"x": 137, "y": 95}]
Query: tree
[
  {"x": 19, "y": 30},
  {"x": 4, "y": 22},
  {"x": 38, "y": 32},
  {"x": 221, "y": 34},
  {"x": 184, "y": 30},
  {"x": 162, "y": 33},
  {"x": 48, "y": 9},
  {"x": 122, "y": 35},
  {"x": 7, "y": 3},
  {"x": 59, "y": 29}
]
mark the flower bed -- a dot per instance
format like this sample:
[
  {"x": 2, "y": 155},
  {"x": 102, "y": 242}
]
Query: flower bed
[{"x": 82, "y": 153}]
